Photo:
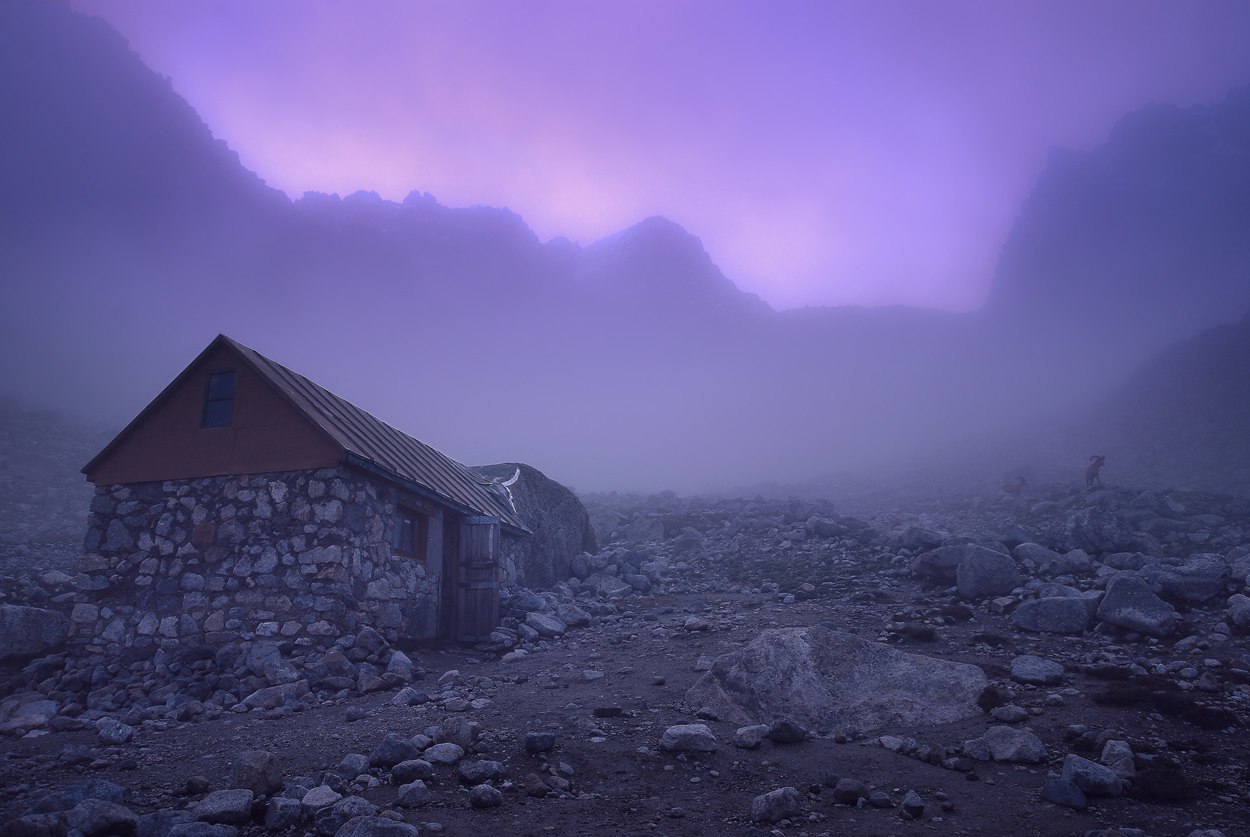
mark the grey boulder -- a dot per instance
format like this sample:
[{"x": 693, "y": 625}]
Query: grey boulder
[
  {"x": 828, "y": 680},
  {"x": 1007, "y": 744},
  {"x": 776, "y": 805},
  {"x": 1092, "y": 778},
  {"x": 258, "y": 771},
  {"x": 1036, "y": 671},
  {"x": 1199, "y": 579},
  {"x": 1054, "y": 615},
  {"x": 545, "y": 624},
  {"x": 984, "y": 572},
  {"x": 96, "y": 816},
  {"x": 688, "y": 738},
  {"x": 1130, "y": 604},
  {"x": 225, "y": 807}
]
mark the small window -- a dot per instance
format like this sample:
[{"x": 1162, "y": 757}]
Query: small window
[
  {"x": 219, "y": 400},
  {"x": 408, "y": 534}
]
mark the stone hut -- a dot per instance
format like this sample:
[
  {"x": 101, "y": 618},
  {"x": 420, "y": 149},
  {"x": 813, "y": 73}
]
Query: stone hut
[{"x": 247, "y": 501}]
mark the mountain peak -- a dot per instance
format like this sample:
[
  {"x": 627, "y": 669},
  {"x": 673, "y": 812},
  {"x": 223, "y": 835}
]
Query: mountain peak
[{"x": 659, "y": 260}]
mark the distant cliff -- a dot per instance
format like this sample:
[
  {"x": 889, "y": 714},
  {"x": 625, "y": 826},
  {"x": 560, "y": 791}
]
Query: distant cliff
[{"x": 1141, "y": 242}]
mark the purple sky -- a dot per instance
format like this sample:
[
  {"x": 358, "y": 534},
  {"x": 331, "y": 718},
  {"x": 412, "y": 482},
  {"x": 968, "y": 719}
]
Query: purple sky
[{"x": 825, "y": 152}]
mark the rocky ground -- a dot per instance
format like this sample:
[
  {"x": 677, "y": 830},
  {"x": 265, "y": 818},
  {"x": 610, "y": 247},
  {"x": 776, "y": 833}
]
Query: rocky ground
[{"x": 1075, "y": 661}]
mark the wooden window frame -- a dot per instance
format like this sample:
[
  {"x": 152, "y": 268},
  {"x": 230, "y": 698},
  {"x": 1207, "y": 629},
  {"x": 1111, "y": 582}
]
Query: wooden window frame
[
  {"x": 210, "y": 401},
  {"x": 419, "y": 522}
]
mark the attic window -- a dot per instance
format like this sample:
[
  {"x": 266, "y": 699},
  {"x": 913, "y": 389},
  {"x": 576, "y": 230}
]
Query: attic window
[
  {"x": 219, "y": 400},
  {"x": 408, "y": 536}
]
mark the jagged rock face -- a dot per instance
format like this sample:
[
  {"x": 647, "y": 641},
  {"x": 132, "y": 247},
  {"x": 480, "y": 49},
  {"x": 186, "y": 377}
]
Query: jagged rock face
[
  {"x": 832, "y": 681},
  {"x": 559, "y": 522}
]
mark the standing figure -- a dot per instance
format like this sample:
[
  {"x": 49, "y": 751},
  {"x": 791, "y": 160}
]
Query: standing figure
[{"x": 1091, "y": 473}]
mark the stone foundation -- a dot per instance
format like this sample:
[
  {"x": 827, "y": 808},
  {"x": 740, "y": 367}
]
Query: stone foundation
[{"x": 299, "y": 556}]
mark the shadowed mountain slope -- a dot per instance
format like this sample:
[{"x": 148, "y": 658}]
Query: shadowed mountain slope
[{"x": 1141, "y": 242}]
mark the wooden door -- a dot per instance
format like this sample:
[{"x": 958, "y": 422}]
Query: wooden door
[
  {"x": 449, "y": 577},
  {"x": 477, "y": 605}
]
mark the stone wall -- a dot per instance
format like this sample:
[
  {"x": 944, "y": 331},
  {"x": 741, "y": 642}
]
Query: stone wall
[{"x": 298, "y": 556}]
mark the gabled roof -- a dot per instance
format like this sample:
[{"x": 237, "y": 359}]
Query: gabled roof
[{"x": 370, "y": 443}]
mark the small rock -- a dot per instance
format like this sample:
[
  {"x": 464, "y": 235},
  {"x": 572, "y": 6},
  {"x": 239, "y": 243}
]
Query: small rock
[
  {"x": 688, "y": 738},
  {"x": 749, "y": 738},
  {"x": 322, "y": 796},
  {"x": 282, "y": 813},
  {"x": 849, "y": 791},
  {"x": 97, "y": 817},
  {"x": 445, "y": 753},
  {"x": 1036, "y": 670},
  {"x": 415, "y": 794},
  {"x": 541, "y": 741},
  {"x": 353, "y": 765},
  {"x": 479, "y": 771},
  {"x": 365, "y": 826},
  {"x": 113, "y": 731},
  {"x": 1064, "y": 792},
  {"x": 777, "y": 805},
  {"x": 785, "y": 731},
  {"x": 484, "y": 796},
  {"x": 1118, "y": 756},
  {"x": 408, "y": 771},
  {"x": 1054, "y": 614},
  {"x": 202, "y": 829},
  {"x": 1007, "y": 744},
  {"x": 329, "y": 820},
  {"x": 1009, "y": 714},
  {"x": 393, "y": 749},
  {"x": 258, "y": 771},
  {"x": 409, "y": 696},
  {"x": 1093, "y": 779},
  {"x": 534, "y": 785},
  {"x": 226, "y": 807}
]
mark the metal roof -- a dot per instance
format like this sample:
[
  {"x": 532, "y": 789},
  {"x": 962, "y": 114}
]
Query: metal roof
[{"x": 369, "y": 441}]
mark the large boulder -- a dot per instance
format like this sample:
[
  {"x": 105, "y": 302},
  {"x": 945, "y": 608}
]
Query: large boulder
[
  {"x": 559, "y": 522},
  {"x": 828, "y": 680},
  {"x": 1096, "y": 531},
  {"x": 940, "y": 564},
  {"x": 1200, "y": 578},
  {"x": 30, "y": 631},
  {"x": 1130, "y": 604},
  {"x": 984, "y": 572}
]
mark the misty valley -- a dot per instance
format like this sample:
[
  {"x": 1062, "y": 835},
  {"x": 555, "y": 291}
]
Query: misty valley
[{"x": 731, "y": 568}]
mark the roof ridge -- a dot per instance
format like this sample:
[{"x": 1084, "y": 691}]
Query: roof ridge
[{"x": 365, "y": 435}]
